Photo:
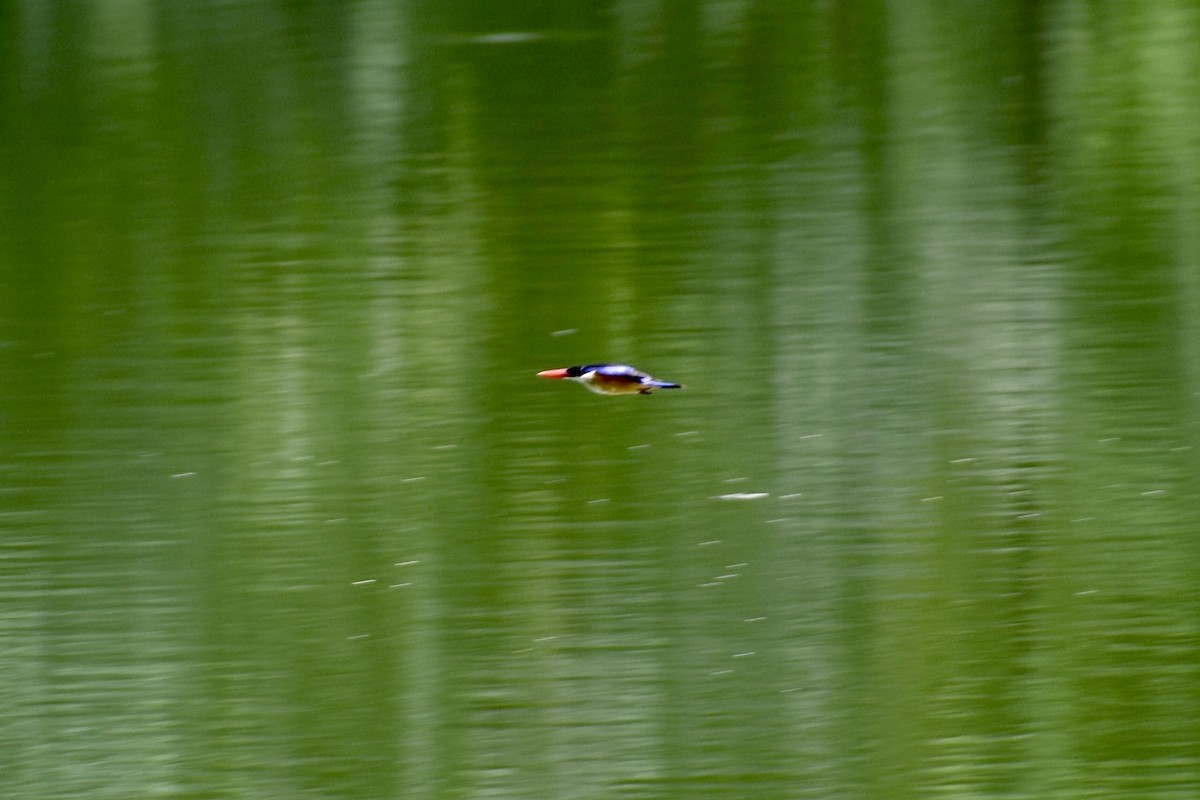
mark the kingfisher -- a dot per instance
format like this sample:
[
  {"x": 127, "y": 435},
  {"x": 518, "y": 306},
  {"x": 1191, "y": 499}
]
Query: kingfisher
[{"x": 610, "y": 378}]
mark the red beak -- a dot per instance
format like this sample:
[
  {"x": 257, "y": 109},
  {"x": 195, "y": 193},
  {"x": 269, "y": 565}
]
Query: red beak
[{"x": 553, "y": 373}]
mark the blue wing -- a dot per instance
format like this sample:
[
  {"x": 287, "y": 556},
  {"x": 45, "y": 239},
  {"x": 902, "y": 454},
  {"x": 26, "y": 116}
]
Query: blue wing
[{"x": 618, "y": 372}]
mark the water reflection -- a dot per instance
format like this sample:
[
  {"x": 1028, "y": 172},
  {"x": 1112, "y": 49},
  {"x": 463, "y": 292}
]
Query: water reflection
[{"x": 287, "y": 512}]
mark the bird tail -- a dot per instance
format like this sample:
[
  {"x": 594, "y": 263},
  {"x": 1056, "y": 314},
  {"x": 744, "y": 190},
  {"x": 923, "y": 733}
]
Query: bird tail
[{"x": 665, "y": 385}]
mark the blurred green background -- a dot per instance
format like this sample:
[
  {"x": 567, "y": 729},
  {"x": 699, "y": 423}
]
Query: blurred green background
[{"x": 284, "y": 512}]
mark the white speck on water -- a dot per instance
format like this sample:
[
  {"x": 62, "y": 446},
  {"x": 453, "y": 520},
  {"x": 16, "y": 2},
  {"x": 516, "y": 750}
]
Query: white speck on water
[
  {"x": 183, "y": 475},
  {"x": 736, "y": 480},
  {"x": 754, "y": 619},
  {"x": 726, "y": 576},
  {"x": 933, "y": 499},
  {"x": 564, "y": 332},
  {"x": 365, "y": 582},
  {"x": 358, "y": 636},
  {"x": 406, "y": 563},
  {"x": 742, "y": 496},
  {"x": 599, "y": 500},
  {"x": 1154, "y": 493},
  {"x": 709, "y": 543},
  {"x": 745, "y": 655},
  {"x": 413, "y": 479},
  {"x": 404, "y": 585},
  {"x": 508, "y": 37},
  {"x": 737, "y": 566},
  {"x": 638, "y": 446}
]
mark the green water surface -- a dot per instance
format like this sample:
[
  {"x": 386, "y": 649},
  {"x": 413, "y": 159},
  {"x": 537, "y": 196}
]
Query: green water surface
[{"x": 284, "y": 512}]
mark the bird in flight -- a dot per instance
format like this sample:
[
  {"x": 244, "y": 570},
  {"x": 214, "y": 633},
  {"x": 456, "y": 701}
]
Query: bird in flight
[{"x": 610, "y": 378}]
